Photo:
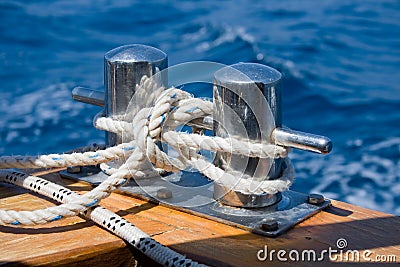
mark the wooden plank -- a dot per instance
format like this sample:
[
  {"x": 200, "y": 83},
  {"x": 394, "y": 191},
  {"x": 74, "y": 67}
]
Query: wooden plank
[{"x": 75, "y": 241}]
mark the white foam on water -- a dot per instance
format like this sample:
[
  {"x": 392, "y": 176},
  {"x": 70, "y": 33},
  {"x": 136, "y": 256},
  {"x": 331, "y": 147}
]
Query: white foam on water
[
  {"x": 229, "y": 34},
  {"x": 22, "y": 111},
  {"x": 212, "y": 36},
  {"x": 11, "y": 136},
  {"x": 392, "y": 141},
  {"x": 31, "y": 117},
  {"x": 371, "y": 179},
  {"x": 201, "y": 33}
]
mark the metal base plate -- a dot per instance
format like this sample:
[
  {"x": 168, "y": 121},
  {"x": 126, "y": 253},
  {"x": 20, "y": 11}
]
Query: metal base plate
[
  {"x": 193, "y": 193},
  {"x": 90, "y": 174}
]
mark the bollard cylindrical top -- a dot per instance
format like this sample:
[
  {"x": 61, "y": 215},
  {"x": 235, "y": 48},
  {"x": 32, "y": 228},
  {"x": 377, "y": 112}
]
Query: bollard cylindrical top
[
  {"x": 124, "y": 67},
  {"x": 248, "y": 72},
  {"x": 266, "y": 78},
  {"x": 136, "y": 53}
]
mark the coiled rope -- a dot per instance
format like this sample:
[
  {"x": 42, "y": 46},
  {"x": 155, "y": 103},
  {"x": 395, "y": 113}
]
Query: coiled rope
[{"x": 163, "y": 110}]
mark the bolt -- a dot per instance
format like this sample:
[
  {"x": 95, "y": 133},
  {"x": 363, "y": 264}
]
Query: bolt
[
  {"x": 316, "y": 199},
  {"x": 74, "y": 169},
  {"x": 253, "y": 200},
  {"x": 269, "y": 225},
  {"x": 164, "y": 193}
]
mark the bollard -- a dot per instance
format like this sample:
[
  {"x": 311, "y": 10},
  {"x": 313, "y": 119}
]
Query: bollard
[
  {"x": 123, "y": 68},
  {"x": 230, "y": 86}
]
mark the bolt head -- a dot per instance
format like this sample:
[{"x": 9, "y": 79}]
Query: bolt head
[
  {"x": 269, "y": 225},
  {"x": 74, "y": 169},
  {"x": 316, "y": 199},
  {"x": 164, "y": 193}
]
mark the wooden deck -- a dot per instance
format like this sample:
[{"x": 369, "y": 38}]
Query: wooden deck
[{"x": 75, "y": 241}]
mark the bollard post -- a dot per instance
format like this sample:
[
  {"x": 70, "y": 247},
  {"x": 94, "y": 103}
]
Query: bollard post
[
  {"x": 124, "y": 67},
  {"x": 235, "y": 89}
]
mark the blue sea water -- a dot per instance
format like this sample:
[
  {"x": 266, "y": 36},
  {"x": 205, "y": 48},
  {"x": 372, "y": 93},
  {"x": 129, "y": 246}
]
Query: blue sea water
[{"x": 340, "y": 61}]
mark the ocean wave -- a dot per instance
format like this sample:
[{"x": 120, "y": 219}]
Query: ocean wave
[
  {"x": 227, "y": 34},
  {"x": 388, "y": 143},
  {"x": 212, "y": 41},
  {"x": 366, "y": 179},
  {"x": 32, "y": 117}
]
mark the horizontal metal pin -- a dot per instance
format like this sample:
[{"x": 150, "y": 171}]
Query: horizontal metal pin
[
  {"x": 305, "y": 141},
  {"x": 88, "y": 96}
]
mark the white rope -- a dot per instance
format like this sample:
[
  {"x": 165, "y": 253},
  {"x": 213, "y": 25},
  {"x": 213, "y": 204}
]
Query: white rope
[
  {"x": 157, "y": 113},
  {"x": 235, "y": 146},
  {"x": 66, "y": 160},
  {"x": 111, "y": 124},
  {"x": 105, "y": 218}
]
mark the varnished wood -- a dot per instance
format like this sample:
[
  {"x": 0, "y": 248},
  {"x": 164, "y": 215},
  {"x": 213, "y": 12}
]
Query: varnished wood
[{"x": 75, "y": 241}]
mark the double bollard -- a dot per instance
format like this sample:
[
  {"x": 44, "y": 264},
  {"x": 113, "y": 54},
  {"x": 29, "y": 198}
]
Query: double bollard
[{"x": 237, "y": 88}]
